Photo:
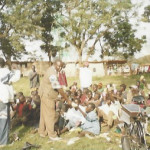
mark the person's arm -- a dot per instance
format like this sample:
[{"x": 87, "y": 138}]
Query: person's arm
[
  {"x": 16, "y": 76},
  {"x": 84, "y": 114},
  {"x": 56, "y": 85},
  {"x": 63, "y": 94}
]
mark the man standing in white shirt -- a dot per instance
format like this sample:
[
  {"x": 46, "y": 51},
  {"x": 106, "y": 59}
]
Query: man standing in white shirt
[{"x": 85, "y": 76}]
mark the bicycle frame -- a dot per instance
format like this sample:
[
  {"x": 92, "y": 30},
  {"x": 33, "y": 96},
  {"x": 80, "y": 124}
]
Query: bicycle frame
[{"x": 135, "y": 134}]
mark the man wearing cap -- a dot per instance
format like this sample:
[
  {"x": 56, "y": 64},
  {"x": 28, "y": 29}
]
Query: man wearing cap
[
  {"x": 48, "y": 91},
  {"x": 85, "y": 76}
]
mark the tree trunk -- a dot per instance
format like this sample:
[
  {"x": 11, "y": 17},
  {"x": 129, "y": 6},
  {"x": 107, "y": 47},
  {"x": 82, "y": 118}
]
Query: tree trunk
[
  {"x": 8, "y": 62},
  {"x": 50, "y": 56},
  {"x": 105, "y": 68},
  {"x": 80, "y": 56}
]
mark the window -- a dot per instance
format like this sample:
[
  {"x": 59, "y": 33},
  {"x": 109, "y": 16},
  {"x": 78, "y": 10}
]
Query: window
[{"x": 94, "y": 69}]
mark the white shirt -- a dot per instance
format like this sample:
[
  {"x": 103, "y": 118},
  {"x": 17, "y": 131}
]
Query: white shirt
[
  {"x": 75, "y": 115},
  {"x": 6, "y": 91},
  {"x": 85, "y": 77},
  {"x": 113, "y": 107}
]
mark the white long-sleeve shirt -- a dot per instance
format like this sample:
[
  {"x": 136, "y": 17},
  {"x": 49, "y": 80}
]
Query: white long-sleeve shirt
[
  {"x": 6, "y": 90},
  {"x": 85, "y": 77}
]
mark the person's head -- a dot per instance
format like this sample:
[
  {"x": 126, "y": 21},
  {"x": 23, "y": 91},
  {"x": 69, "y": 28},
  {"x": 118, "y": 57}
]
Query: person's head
[
  {"x": 68, "y": 92},
  {"x": 90, "y": 107},
  {"x": 19, "y": 94},
  {"x": 63, "y": 65},
  {"x": 28, "y": 100},
  {"x": 100, "y": 85},
  {"x": 75, "y": 83},
  {"x": 2, "y": 62},
  {"x": 96, "y": 96},
  {"x": 85, "y": 90},
  {"x": 119, "y": 93},
  {"x": 89, "y": 94},
  {"x": 95, "y": 87},
  {"x": 138, "y": 83},
  {"x": 33, "y": 93},
  {"x": 85, "y": 64},
  {"x": 142, "y": 78},
  {"x": 77, "y": 101},
  {"x": 110, "y": 90},
  {"x": 79, "y": 92},
  {"x": 22, "y": 99},
  {"x": 108, "y": 101},
  {"x": 33, "y": 68},
  {"x": 14, "y": 66},
  {"x": 58, "y": 64},
  {"x": 122, "y": 87}
]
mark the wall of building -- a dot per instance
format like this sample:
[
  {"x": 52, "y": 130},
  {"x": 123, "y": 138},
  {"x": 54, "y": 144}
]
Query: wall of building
[{"x": 72, "y": 69}]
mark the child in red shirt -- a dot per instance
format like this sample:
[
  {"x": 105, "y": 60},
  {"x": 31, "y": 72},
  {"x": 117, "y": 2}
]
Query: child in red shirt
[{"x": 23, "y": 112}]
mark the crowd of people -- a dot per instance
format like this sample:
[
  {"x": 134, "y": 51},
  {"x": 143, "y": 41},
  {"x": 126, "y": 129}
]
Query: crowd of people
[{"x": 53, "y": 108}]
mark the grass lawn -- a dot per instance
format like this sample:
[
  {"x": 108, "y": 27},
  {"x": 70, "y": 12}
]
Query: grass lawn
[{"x": 98, "y": 143}]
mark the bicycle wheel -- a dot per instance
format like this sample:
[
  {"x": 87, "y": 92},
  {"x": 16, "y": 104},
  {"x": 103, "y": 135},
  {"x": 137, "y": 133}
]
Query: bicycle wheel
[
  {"x": 125, "y": 142},
  {"x": 138, "y": 141}
]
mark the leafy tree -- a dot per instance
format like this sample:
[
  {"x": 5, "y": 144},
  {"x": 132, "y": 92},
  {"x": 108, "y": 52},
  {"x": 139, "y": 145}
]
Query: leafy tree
[
  {"x": 85, "y": 22},
  {"x": 146, "y": 14},
  {"x": 122, "y": 40},
  {"x": 18, "y": 21},
  {"x": 48, "y": 24}
]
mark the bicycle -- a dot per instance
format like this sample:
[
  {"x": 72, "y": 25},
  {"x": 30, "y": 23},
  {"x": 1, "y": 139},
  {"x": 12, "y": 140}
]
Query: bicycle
[{"x": 133, "y": 133}]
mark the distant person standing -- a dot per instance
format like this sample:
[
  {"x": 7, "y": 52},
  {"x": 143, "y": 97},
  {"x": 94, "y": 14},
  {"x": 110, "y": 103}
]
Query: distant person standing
[
  {"x": 34, "y": 79},
  {"x": 85, "y": 76}
]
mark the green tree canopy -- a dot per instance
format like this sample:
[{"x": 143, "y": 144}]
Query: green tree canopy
[
  {"x": 89, "y": 21},
  {"x": 122, "y": 40},
  {"x": 48, "y": 24},
  {"x": 18, "y": 21},
  {"x": 146, "y": 14}
]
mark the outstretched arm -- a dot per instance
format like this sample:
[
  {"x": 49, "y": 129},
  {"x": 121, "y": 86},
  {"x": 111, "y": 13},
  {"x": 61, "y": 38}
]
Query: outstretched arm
[
  {"x": 84, "y": 114},
  {"x": 63, "y": 94}
]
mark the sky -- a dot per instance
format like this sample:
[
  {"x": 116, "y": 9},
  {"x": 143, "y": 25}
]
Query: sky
[{"x": 142, "y": 29}]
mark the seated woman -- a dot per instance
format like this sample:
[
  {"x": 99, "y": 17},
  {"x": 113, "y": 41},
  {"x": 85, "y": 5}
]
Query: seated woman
[
  {"x": 91, "y": 126},
  {"x": 73, "y": 116}
]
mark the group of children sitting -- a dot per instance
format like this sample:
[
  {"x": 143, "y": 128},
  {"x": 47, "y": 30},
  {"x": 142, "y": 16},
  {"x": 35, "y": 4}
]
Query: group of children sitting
[
  {"x": 96, "y": 107},
  {"x": 25, "y": 110},
  {"x": 92, "y": 108}
]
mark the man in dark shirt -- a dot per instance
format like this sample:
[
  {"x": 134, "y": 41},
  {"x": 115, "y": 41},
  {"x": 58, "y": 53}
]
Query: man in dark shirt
[{"x": 34, "y": 79}]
